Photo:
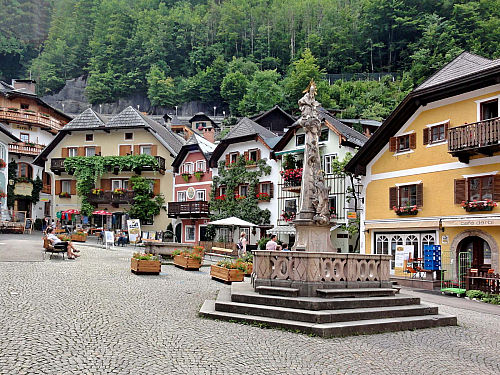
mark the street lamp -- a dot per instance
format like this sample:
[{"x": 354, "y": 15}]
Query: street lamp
[
  {"x": 100, "y": 109},
  {"x": 224, "y": 114},
  {"x": 214, "y": 110},
  {"x": 63, "y": 106},
  {"x": 176, "y": 110},
  {"x": 358, "y": 189}
]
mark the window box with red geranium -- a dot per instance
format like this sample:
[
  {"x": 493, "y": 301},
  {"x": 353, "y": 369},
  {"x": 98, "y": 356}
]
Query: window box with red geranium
[
  {"x": 119, "y": 191},
  {"x": 263, "y": 197},
  {"x": 239, "y": 197},
  {"x": 65, "y": 194},
  {"x": 288, "y": 216},
  {"x": 3, "y": 194},
  {"x": 405, "y": 210},
  {"x": 474, "y": 206},
  {"x": 221, "y": 197},
  {"x": 3, "y": 164},
  {"x": 292, "y": 177},
  {"x": 97, "y": 191}
]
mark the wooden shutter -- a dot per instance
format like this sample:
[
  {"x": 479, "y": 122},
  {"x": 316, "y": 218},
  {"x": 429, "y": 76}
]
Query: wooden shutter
[
  {"x": 393, "y": 197},
  {"x": 393, "y": 144},
  {"x": 81, "y": 151},
  {"x": 246, "y": 155},
  {"x": 420, "y": 195},
  {"x": 426, "y": 136},
  {"x": 125, "y": 149},
  {"x": 137, "y": 149},
  {"x": 460, "y": 191},
  {"x": 271, "y": 188},
  {"x": 496, "y": 188},
  {"x": 106, "y": 184},
  {"x": 156, "y": 187},
  {"x": 446, "y": 127},
  {"x": 58, "y": 187},
  {"x": 236, "y": 190},
  {"x": 154, "y": 150},
  {"x": 258, "y": 155},
  {"x": 64, "y": 152},
  {"x": 73, "y": 187},
  {"x": 98, "y": 150},
  {"x": 227, "y": 159},
  {"x": 413, "y": 141}
]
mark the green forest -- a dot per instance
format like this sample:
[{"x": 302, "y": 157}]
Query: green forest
[{"x": 250, "y": 54}]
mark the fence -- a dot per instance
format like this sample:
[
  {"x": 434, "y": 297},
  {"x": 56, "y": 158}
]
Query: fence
[
  {"x": 331, "y": 78},
  {"x": 483, "y": 281}
]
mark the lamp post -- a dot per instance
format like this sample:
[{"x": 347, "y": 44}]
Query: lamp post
[
  {"x": 100, "y": 109},
  {"x": 224, "y": 114},
  {"x": 358, "y": 189},
  {"x": 214, "y": 110},
  {"x": 176, "y": 110},
  {"x": 63, "y": 106}
]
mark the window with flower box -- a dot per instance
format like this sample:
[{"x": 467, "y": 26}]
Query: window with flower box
[
  {"x": 406, "y": 198},
  {"x": 477, "y": 193},
  {"x": 200, "y": 166},
  {"x": 403, "y": 143},
  {"x": 232, "y": 158}
]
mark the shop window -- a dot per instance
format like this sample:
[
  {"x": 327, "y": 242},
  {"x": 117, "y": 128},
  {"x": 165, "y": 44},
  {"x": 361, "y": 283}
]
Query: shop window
[
  {"x": 480, "y": 188},
  {"x": 300, "y": 140},
  {"x": 395, "y": 241},
  {"x": 89, "y": 137},
  {"x": 323, "y": 137},
  {"x": 413, "y": 240},
  {"x": 489, "y": 109},
  {"x": 382, "y": 246},
  {"x": 428, "y": 239}
]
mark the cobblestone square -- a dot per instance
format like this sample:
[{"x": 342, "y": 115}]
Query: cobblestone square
[{"x": 93, "y": 316}]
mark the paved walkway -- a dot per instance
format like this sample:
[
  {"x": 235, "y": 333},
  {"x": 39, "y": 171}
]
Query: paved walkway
[{"x": 92, "y": 315}]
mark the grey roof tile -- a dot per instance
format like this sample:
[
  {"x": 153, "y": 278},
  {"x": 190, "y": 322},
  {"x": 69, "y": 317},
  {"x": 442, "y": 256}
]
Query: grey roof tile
[
  {"x": 349, "y": 133},
  {"x": 88, "y": 119},
  {"x": 248, "y": 127}
]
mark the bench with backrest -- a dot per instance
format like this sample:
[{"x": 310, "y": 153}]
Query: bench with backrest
[
  {"x": 59, "y": 248},
  {"x": 220, "y": 252}
]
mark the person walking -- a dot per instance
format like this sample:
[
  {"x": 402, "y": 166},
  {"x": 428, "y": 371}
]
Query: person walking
[
  {"x": 242, "y": 245},
  {"x": 272, "y": 244}
]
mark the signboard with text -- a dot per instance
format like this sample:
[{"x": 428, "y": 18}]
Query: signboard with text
[
  {"x": 134, "y": 230},
  {"x": 403, "y": 253}
]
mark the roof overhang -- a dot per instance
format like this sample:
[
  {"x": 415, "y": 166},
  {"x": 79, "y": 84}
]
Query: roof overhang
[{"x": 222, "y": 146}]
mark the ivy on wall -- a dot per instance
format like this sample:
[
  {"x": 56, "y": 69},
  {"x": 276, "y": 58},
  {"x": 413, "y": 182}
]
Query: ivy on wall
[
  {"x": 246, "y": 208},
  {"x": 88, "y": 169},
  {"x": 11, "y": 196}
]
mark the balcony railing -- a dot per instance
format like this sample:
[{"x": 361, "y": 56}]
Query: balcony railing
[
  {"x": 109, "y": 197},
  {"x": 25, "y": 149},
  {"x": 188, "y": 209},
  {"x": 30, "y": 117},
  {"x": 57, "y": 166},
  {"x": 477, "y": 138}
]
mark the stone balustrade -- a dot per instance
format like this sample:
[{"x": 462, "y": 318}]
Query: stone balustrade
[{"x": 320, "y": 269}]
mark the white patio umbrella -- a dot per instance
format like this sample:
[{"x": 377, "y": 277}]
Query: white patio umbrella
[{"x": 232, "y": 221}]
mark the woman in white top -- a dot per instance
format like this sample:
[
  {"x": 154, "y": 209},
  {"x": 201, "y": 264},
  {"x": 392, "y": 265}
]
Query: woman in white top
[
  {"x": 69, "y": 245},
  {"x": 242, "y": 245}
]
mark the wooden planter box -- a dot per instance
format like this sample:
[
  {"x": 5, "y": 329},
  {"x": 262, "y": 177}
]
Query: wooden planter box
[
  {"x": 187, "y": 263},
  {"x": 249, "y": 270},
  {"x": 145, "y": 266},
  {"x": 406, "y": 213},
  {"x": 79, "y": 237},
  {"x": 226, "y": 274}
]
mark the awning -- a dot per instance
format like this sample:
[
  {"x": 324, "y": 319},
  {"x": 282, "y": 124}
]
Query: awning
[
  {"x": 403, "y": 224},
  {"x": 282, "y": 229},
  {"x": 482, "y": 222}
]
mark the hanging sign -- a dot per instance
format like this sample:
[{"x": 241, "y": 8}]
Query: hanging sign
[
  {"x": 23, "y": 188},
  {"x": 351, "y": 215},
  {"x": 134, "y": 230}
]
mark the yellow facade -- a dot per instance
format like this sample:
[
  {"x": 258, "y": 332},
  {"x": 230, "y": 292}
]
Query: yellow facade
[
  {"x": 110, "y": 145},
  {"x": 431, "y": 165}
]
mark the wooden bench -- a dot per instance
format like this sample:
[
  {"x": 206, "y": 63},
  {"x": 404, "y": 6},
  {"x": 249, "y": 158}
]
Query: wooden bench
[
  {"x": 57, "y": 249},
  {"x": 220, "y": 252}
]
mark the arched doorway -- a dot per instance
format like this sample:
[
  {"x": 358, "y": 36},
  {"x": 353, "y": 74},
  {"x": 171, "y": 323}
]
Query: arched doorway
[
  {"x": 478, "y": 250},
  {"x": 178, "y": 233}
]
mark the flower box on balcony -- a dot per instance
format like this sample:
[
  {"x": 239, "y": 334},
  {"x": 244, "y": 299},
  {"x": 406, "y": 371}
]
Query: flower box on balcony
[
  {"x": 65, "y": 195},
  {"x": 406, "y": 210}
]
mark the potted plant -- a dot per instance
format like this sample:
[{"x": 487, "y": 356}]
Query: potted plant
[
  {"x": 65, "y": 194},
  {"x": 64, "y": 237},
  {"x": 228, "y": 271},
  {"x": 221, "y": 197},
  {"x": 188, "y": 260},
  {"x": 263, "y": 197},
  {"x": 79, "y": 236},
  {"x": 13, "y": 109},
  {"x": 44, "y": 114},
  {"x": 292, "y": 177},
  {"x": 288, "y": 215},
  {"x": 96, "y": 191},
  {"x": 406, "y": 210},
  {"x": 473, "y": 206},
  {"x": 250, "y": 163},
  {"x": 119, "y": 191},
  {"x": 247, "y": 262},
  {"x": 3, "y": 164},
  {"x": 198, "y": 175},
  {"x": 3, "y": 194},
  {"x": 145, "y": 264},
  {"x": 186, "y": 176}
]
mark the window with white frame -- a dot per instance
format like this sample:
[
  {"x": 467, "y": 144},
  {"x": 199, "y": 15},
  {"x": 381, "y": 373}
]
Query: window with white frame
[
  {"x": 72, "y": 151},
  {"x": 428, "y": 239},
  {"x": 327, "y": 163},
  {"x": 265, "y": 188},
  {"x": 222, "y": 190},
  {"x": 382, "y": 246},
  {"x": 181, "y": 196},
  {"x": 119, "y": 184},
  {"x": 189, "y": 168},
  {"x": 190, "y": 231},
  {"x": 291, "y": 205},
  {"x": 233, "y": 157},
  {"x": 89, "y": 151},
  {"x": 200, "y": 165},
  {"x": 200, "y": 195},
  {"x": 146, "y": 150},
  {"x": 66, "y": 186}
]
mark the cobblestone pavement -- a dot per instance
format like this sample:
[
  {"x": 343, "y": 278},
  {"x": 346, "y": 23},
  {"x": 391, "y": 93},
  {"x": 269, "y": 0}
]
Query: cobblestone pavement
[{"x": 92, "y": 315}]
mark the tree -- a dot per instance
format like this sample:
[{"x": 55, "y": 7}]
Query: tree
[
  {"x": 233, "y": 88},
  {"x": 263, "y": 92},
  {"x": 161, "y": 90}
]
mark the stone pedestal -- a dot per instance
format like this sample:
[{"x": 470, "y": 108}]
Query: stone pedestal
[{"x": 312, "y": 237}]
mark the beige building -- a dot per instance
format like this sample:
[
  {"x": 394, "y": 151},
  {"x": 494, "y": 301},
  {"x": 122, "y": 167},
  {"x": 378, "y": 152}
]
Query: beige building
[{"x": 130, "y": 132}]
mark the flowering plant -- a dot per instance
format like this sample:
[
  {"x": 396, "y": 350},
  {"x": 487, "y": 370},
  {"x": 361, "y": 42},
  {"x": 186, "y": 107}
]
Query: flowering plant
[
  {"x": 186, "y": 176},
  {"x": 3, "y": 164},
  {"x": 232, "y": 265},
  {"x": 3, "y": 194},
  {"x": 119, "y": 191},
  {"x": 188, "y": 254},
  {"x": 221, "y": 197},
  {"x": 64, "y": 194},
  {"x": 199, "y": 174},
  {"x": 332, "y": 213},
  {"x": 475, "y": 205},
  {"x": 408, "y": 209},
  {"x": 200, "y": 127},
  {"x": 142, "y": 256},
  {"x": 292, "y": 177},
  {"x": 97, "y": 191},
  {"x": 239, "y": 197},
  {"x": 64, "y": 237},
  {"x": 263, "y": 197},
  {"x": 288, "y": 216}
]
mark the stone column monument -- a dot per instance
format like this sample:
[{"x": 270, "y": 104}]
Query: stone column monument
[{"x": 313, "y": 222}]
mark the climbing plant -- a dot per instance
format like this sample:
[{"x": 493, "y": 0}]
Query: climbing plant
[
  {"x": 144, "y": 207},
  {"x": 246, "y": 208},
  {"x": 11, "y": 196},
  {"x": 88, "y": 169}
]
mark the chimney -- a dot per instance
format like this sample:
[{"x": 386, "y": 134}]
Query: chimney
[
  {"x": 27, "y": 84},
  {"x": 209, "y": 134}
]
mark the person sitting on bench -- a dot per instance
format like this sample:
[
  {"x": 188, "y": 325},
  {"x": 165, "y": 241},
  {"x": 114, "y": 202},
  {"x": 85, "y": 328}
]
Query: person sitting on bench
[
  {"x": 122, "y": 239},
  {"x": 69, "y": 245}
]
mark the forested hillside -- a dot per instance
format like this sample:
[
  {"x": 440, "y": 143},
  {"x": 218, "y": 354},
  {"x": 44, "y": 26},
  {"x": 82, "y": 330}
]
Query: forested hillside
[{"x": 251, "y": 54}]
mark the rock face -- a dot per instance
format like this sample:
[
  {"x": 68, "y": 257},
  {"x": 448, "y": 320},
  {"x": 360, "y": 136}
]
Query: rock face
[{"x": 71, "y": 99}]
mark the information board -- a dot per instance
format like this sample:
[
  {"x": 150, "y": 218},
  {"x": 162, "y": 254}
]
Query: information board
[{"x": 134, "y": 230}]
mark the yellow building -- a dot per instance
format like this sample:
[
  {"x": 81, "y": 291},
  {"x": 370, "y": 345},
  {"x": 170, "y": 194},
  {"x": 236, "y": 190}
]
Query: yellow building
[
  {"x": 432, "y": 171},
  {"x": 130, "y": 132}
]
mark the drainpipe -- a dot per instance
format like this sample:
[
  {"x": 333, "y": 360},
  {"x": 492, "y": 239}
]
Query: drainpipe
[{"x": 53, "y": 193}]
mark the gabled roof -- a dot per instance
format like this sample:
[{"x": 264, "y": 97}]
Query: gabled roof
[
  {"x": 259, "y": 116},
  {"x": 195, "y": 142},
  {"x": 245, "y": 130},
  {"x": 200, "y": 116},
  {"x": 175, "y": 121},
  {"x": 360, "y": 121},
  {"x": 453, "y": 79},
  {"x": 88, "y": 119},
  {"x": 348, "y": 135}
]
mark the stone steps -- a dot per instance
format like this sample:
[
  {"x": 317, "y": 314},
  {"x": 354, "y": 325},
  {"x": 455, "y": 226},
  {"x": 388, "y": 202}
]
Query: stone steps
[
  {"x": 338, "y": 328},
  {"x": 355, "y": 293},
  {"x": 277, "y": 291}
]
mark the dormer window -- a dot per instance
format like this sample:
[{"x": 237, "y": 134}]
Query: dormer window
[{"x": 300, "y": 140}]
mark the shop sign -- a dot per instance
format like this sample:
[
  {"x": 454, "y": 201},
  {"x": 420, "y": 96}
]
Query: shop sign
[
  {"x": 471, "y": 223},
  {"x": 351, "y": 215},
  {"x": 23, "y": 188},
  {"x": 445, "y": 240},
  {"x": 46, "y": 199},
  {"x": 134, "y": 229}
]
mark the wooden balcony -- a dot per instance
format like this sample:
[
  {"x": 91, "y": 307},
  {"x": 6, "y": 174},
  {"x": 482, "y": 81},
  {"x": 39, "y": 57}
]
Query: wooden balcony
[
  {"x": 108, "y": 197},
  {"x": 190, "y": 209},
  {"x": 31, "y": 118},
  {"x": 57, "y": 166},
  {"x": 477, "y": 138},
  {"x": 46, "y": 189},
  {"x": 22, "y": 148}
]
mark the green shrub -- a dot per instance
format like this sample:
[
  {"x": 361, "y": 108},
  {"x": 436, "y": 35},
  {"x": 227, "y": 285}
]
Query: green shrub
[
  {"x": 263, "y": 242},
  {"x": 475, "y": 294}
]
